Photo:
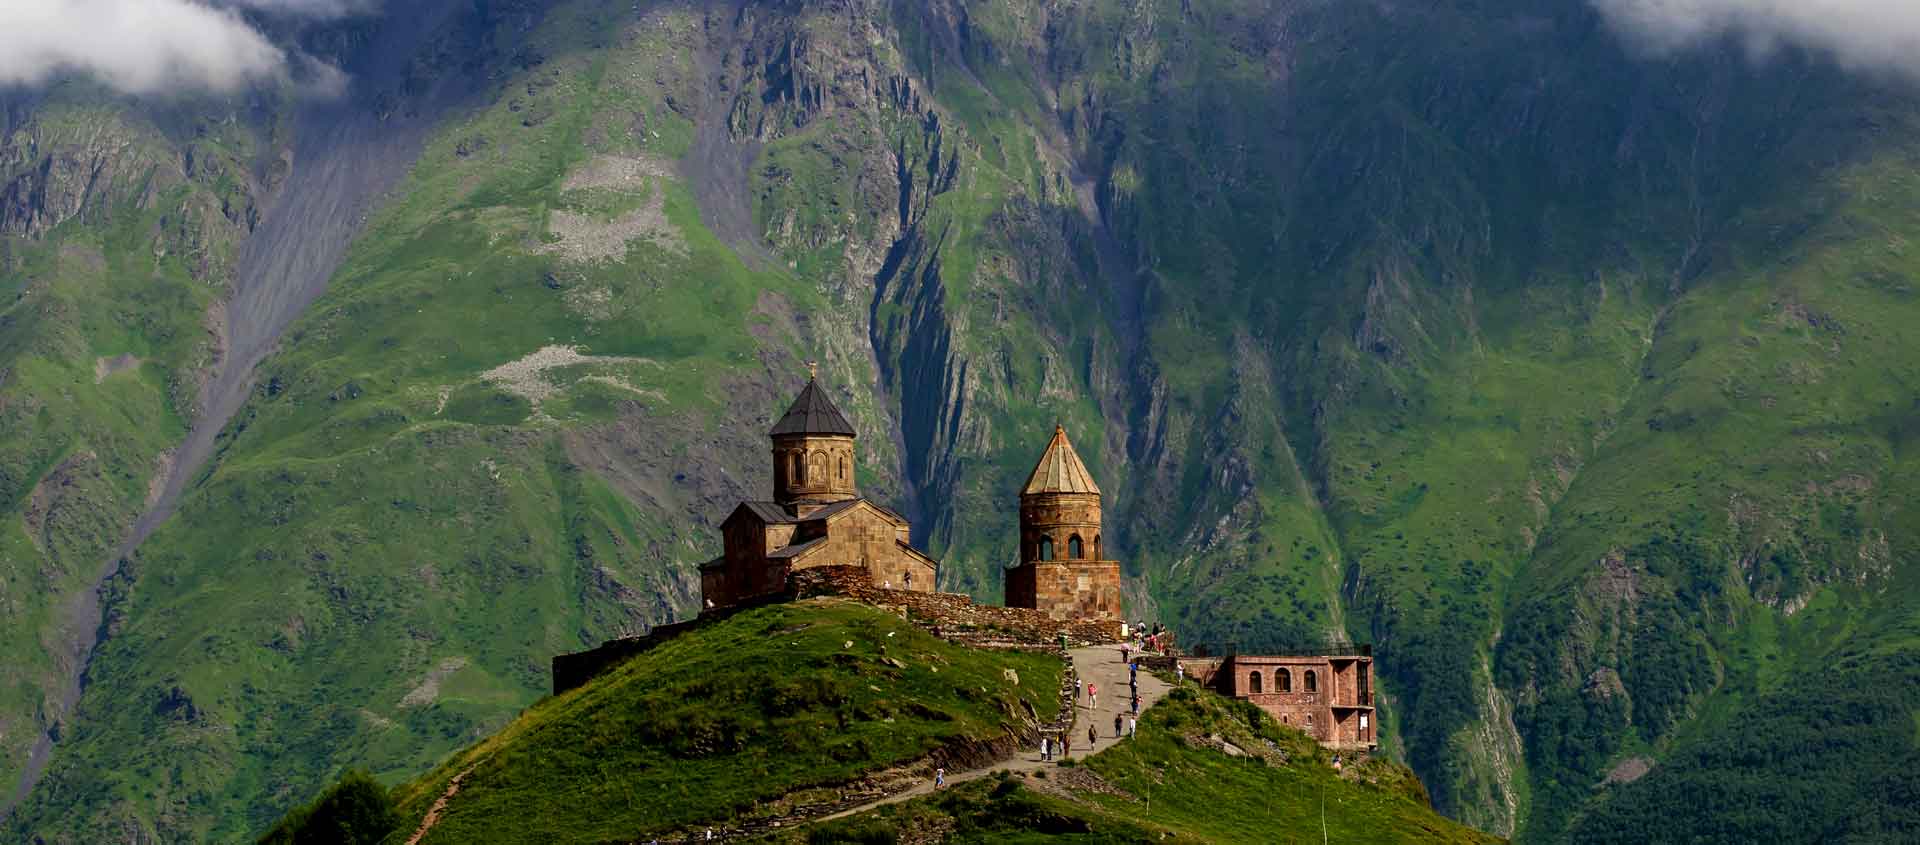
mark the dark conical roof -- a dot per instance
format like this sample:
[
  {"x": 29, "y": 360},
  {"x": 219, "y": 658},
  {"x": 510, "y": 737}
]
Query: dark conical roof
[{"x": 812, "y": 413}]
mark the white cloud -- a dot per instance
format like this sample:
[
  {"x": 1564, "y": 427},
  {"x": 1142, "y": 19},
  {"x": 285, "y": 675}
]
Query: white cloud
[
  {"x": 1881, "y": 35},
  {"x": 154, "y": 46}
]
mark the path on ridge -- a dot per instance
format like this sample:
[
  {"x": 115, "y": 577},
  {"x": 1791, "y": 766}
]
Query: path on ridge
[{"x": 1099, "y": 665}]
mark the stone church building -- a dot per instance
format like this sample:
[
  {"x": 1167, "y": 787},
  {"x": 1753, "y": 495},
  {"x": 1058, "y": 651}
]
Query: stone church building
[
  {"x": 1063, "y": 569},
  {"x": 816, "y": 517}
]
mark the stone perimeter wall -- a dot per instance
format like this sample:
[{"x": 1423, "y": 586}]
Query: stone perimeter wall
[
  {"x": 948, "y": 615},
  {"x": 955, "y": 616}
]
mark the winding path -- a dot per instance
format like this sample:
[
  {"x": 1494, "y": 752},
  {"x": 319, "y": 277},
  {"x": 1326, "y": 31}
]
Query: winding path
[{"x": 1099, "y": 665}]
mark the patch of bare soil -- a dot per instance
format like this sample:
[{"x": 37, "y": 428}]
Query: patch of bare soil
[
  {"x": 103, "y": 368},
  {"x": 1630, "y": 770},
  {"x": 429, "y": 688},
  {"x": 585, "y": 238},
  {"x": 527, "y": 377}
]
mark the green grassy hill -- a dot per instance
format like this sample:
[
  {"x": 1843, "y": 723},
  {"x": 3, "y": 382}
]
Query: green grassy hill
[
  {"x": 1175, "y": 781},
  {"x": 718, "y": 722},
  {"x": 747, "y": 717}
]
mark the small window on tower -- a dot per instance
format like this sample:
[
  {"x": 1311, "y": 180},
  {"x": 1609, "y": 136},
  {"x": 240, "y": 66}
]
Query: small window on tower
[
  {"x": 1046, "y": 548},
  {"x": 843, "y": 469},
  {"x": 1074, "y": 548},
  {"x": 795, "y": 470}
]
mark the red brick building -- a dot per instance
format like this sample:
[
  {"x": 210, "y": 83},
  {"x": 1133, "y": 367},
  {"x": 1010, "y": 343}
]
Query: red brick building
[
  {"x": 1327, "y": 695},
  {"x": 1063, "y": 568},
  {"x": 816, "y": 517}
]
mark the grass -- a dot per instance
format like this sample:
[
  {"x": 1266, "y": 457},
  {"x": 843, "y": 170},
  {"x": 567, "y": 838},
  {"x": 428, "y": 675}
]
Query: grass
[
  {"x": 719, "y": 721},
  {"x": 1171, "y": 781}
]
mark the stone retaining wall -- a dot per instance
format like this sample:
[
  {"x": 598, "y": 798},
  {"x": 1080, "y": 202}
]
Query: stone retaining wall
[
  {"x": 955, "y": 616},
  {"x": 948, "y": 615}
]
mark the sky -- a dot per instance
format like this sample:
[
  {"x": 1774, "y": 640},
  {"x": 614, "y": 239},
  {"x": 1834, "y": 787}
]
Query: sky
[
  {"x": 158, "y": 46},
  {"x": 1875, "y": 36}
]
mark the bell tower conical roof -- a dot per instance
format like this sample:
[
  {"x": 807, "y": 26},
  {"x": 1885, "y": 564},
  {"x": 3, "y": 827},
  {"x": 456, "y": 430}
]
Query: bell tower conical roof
[
  {"x": 812, "y": 413},
  {"x": 1060, "y": 470}
]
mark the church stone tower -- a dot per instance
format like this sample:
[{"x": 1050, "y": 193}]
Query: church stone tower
[
  {"x": 812, "y": 453},
  {"x": 1063, "y": 567}
]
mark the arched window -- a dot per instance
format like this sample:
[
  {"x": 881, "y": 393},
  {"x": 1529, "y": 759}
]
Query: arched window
[
  {"x": 1312, "y": 686},
  {"x": 1096, "y": 548},
  {"x": 817, "y": 466},
  {"x": 1074, "y": 549},
  {"x": 795, "y": 473},
  {"x": 1283, "y": 679},
  {"x": 1309, "y": 721},
  {"x": 1046, "y": 548},
  {"x": 843, "y": 468},
  {"x": 1253, "y": 682}
]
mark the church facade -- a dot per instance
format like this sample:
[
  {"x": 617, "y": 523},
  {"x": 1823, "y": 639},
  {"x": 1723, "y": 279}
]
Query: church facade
[{"x": 816, "y": 517}]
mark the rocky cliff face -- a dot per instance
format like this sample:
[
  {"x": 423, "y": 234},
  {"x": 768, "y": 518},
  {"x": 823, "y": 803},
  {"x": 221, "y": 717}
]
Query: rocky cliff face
[{"x": 1574, "y": 383}]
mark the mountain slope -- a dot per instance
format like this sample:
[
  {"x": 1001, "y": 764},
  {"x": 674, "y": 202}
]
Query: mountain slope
[{"x": 1573, "y": 382}]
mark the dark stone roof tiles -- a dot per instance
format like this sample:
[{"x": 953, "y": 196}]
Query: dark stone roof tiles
[{"x": 812, "y": 413}]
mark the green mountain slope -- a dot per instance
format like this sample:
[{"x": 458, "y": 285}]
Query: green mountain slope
[
  {"x": 1574, "y": 382},
  {"x": 117, "y": 241}
]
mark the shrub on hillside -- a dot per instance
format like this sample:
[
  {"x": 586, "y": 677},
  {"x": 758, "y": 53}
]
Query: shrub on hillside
[{"x": 355, "y": 811}]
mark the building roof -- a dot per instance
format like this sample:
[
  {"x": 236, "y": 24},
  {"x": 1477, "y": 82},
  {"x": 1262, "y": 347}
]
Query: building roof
[
  {"x": 774, "y": 513},
  {"x": 812, "y": 413},
  {"x": 1060, "y": 470},
  {"x": 797, "y": 549}
]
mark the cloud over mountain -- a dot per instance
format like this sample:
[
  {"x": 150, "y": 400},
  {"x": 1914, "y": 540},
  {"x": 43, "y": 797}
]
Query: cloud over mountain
[
  {"x": 1880, "y": 35},
  {"x": 156, "y": 46}
]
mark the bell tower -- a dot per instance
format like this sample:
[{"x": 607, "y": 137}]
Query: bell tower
[
  {"x": 1063, "y": 567},
  {"x": 812, "y": 452}
]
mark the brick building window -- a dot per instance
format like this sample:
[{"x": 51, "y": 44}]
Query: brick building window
[
  {"x": 1046, "y": 548},
  {"x": 1312, "y": 683},
  {"x": 1284, "y": 680},
  {"x": 843, "y": 469},
  {"x": 1096, "y": 548},
  {"x": 1075, "y": 549},
  {"x": 1253, "y": 682}
]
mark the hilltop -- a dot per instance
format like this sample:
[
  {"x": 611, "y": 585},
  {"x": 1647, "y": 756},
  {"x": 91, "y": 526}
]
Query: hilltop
[{"x": 793, "y": 711}]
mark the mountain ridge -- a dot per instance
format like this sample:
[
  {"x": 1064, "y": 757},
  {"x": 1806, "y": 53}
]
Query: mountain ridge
[{"x": 1570, "y": 379}]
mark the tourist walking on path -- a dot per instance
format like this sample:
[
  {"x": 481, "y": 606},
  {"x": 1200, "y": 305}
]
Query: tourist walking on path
[
  {"x": 939, "y": 778},
  {"x": 1093, "y": 736},
  {"x": 1043, "y": 750},
  {"x": 1066, "y": 745},
  {"x": 1133, "y": 726},
  {"x": 1136, "y": 703},
  {"x": 1123, "y": 653},
  {"x": 1093, "y": 696},
  {"x": 1179, "y": 673},
  {"x": 1116, "y": 725}
]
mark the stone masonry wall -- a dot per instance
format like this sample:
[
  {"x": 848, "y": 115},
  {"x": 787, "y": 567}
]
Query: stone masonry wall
[
  {"x": 863, "y": 535},
  {"x": 955, "y": 616},
  {"x": 1068, "y": 589}
]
